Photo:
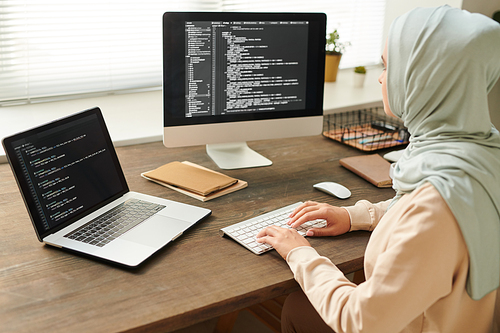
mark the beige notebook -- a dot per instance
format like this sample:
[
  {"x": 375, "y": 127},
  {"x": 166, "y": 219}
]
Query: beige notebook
[
  {"x": 374, "y": 168},
  {"x": 191, "y": 178},
  {"x": 231, "y": 188}
]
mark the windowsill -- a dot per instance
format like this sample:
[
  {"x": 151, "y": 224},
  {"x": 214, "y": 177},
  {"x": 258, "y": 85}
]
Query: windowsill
[
  {"x": 138, "y": 118},
  {"x": 341, "y": 95}
]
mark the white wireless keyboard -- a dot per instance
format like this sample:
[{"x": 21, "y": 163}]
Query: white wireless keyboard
[{"x": 244, "y": 232}]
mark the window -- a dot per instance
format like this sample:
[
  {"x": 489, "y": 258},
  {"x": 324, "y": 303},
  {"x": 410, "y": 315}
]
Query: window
[
  {"x": 57, "y": 48},
  {"x": 359, "y": 22}
]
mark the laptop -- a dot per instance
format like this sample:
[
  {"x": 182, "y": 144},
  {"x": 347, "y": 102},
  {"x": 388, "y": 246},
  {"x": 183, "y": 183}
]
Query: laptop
[{"x": 77, "y": 196}]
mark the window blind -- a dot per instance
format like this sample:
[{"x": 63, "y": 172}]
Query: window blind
[
  {"x": 359, "y": 23},
  {"x": 55, "y": 49}
]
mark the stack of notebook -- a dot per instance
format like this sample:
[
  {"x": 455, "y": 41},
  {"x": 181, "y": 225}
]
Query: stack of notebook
[{"x": 194, "y": 180}]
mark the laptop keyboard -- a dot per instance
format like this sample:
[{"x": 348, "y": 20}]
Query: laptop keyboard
[
  {"x": 245, "y": 232},
  {"x": 110, "y": 225}
]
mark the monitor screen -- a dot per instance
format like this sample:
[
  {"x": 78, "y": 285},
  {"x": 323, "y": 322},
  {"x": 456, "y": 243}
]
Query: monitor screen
[{"x": 235, "y": 77}]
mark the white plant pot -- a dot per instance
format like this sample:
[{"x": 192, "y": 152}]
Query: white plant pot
[{"x": 358, "y": 80}]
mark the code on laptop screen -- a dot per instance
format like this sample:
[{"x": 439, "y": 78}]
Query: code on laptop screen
[{"x": 68, "y": 169}]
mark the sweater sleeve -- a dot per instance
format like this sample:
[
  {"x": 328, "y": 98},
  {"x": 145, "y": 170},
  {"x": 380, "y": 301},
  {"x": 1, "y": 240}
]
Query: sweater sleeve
[
  {"x": 366, "y": 215},
  {"x": 414, "y": 271}
]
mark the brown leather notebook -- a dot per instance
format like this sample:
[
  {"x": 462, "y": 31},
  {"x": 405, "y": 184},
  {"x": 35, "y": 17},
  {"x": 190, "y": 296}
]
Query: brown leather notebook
[
  {"x": 191, "y": 178},
  {"x": 374, "y": 168}
]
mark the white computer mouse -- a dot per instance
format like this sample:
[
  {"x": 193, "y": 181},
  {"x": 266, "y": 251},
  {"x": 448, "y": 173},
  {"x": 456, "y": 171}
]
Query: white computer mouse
[{"x": 335, "y": 189}]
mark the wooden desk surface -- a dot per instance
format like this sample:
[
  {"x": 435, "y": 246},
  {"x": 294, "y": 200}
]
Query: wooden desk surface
[{"x": 197, "y": 277}]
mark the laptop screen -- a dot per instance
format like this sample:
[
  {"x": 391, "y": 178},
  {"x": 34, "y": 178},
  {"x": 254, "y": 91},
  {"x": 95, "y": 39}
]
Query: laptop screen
[{"x": 65, "y": 169}]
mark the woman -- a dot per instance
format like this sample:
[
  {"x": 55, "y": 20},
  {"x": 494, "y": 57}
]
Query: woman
[{"x": 433, "y": 261}]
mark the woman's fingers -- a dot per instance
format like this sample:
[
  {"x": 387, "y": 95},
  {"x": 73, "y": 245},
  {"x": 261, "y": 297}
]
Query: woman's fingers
[{"x": 282, "y": 240}]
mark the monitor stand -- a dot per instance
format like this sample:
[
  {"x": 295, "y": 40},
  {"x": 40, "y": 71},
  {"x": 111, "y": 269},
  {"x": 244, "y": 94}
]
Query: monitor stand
[{"x": 236, "y": 156}]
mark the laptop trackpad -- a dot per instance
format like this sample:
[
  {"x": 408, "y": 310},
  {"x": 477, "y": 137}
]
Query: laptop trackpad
[{"x": 156, "y": 231}]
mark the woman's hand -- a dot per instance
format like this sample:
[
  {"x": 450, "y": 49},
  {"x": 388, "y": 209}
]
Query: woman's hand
[
  {"x": 338, "y": 221},
  {"x": 284, "y": 240},
  {"x": 281, "y": 239}
]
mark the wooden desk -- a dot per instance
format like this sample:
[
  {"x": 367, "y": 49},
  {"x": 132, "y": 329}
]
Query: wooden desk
[{"x": 200, "y": 275}]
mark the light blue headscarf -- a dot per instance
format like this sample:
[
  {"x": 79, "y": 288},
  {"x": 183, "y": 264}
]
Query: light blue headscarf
[{"x": 442, "y": 62}]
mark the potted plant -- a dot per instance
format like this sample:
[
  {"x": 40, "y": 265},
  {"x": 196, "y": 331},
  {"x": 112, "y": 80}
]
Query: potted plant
[
  {"x": 333, "y": 51},
  {"x": 359, "y": 76}
]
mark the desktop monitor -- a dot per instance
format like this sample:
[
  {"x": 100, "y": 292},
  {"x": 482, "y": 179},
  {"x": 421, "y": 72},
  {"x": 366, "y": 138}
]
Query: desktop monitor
[{"x": 232, "y": 77}]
